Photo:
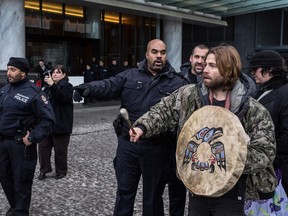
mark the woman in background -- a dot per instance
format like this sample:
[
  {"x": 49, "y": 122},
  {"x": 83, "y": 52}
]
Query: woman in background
[{"x": 60, "y": 92}]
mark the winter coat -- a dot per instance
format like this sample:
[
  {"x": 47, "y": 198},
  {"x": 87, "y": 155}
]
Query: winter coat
[
  {"x": 186, "y": 72},
  {"x": 60, "y": 95},
  {"x": 276, "y": 102},
  {"x": 24, "y": 106},
  {"x": 175, "y": 110}
]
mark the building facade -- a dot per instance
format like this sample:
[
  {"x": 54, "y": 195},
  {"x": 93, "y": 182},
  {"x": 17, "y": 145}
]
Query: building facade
[{"x": 72, "y": 32}]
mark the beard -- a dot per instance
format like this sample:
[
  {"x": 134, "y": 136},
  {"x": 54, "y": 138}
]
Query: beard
[
  {"x": 214, "y": 84},
  {"x": 13, "y": 79}
]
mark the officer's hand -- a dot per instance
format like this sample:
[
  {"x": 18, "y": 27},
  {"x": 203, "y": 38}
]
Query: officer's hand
[{"x": 83, "y": 90}]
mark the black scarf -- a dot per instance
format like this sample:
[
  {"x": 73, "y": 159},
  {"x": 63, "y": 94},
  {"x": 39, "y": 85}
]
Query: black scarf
[{"x": 273, "y": 83}]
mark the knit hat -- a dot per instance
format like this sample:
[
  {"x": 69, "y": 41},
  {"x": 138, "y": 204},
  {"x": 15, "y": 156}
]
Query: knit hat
[
  {"x": 21, "y": 63},
  {"x": 266, "y": 59}
]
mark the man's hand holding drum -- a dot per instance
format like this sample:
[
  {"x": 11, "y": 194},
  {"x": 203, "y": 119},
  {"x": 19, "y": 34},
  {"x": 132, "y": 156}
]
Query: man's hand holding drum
[{"x": 135, "y": 137}]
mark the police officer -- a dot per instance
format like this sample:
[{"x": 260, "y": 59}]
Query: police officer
[
  {"x": 139, "y": 89},
  {"x": 102, "y": 71},
  {"x": 26, "y": 116},
  {"x": 193, "y": 69}
]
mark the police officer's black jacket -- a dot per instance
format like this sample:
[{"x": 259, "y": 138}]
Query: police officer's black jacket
[
  {"x": 113, "y": 70},
  {"x": 186, "y": 72},
  {"x": 24, "y": 106},
  {"x": 138, "y": 89},
  {"x": 60, "y": 95}
]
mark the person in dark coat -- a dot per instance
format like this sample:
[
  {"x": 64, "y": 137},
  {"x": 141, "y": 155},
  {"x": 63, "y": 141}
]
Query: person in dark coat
[
  {"x": 26, "y": 117},
  {"x": 139, "y": 89},
  {"x": 89, "y": 74},
  {"x": 125, "y": 65},
  {"x": 94, "y": 64},
  {"x": 42, "y": 69},
  {"x": 60, "y": 92},
  {"x": 114, "y": 68},
  {"x": 269, "y": 71},
  {"x": 102, "y": 71}
]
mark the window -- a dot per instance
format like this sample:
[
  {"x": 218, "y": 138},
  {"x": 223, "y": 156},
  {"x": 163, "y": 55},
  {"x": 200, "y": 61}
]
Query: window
[
  {"x": 268, "y": 28},
  {"x": 200, "y": 33},
  {"x": 47, "y": 18},
  {"x": 74, "y": 25},
  {"x": 32, "y": 17},
  {"x": 229, "y": 30},
  {"x": 285, "y": 28},
  {"x": 112, "y": 32}
]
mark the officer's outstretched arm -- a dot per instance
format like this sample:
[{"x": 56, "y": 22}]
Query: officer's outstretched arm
[{"x": 134, "y": 137}]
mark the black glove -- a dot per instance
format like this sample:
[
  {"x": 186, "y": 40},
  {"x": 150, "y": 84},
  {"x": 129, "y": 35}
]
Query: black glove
[
  {"x": 83, "y": 90},
  {"x": 77, "y": 96},
  {"x": 118, "y": 125}
]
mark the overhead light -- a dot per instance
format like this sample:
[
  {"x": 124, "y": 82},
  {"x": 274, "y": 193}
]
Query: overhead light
[
  {"x": 111, "y": 20},
  {"x": 54, "y": 8},
  {"x": 74, "y": 11},
  {"x": 34, "y": 5},
  {"x": 111, "y": 17}
]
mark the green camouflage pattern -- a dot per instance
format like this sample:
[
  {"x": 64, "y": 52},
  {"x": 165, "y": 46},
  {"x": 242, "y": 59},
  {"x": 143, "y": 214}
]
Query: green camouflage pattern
[{"x": 173, "y": 111}]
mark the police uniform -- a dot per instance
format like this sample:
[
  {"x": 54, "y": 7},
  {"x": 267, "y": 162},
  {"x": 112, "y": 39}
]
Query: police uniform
[
  {"x": 186, "y": 72},
  {"x": 152, "y": 158},
  {"x": 23, "y": 107}
]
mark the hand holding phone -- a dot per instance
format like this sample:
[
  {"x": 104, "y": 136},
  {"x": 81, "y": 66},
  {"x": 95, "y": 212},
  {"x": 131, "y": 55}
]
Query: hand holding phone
[{"x": 48, "y": 78}]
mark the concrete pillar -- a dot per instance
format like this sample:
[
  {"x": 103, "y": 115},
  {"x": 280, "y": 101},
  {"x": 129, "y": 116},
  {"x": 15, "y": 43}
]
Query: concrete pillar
[
  {"x": 12, "y": 30},
  {"x": 172, "y": 35}
]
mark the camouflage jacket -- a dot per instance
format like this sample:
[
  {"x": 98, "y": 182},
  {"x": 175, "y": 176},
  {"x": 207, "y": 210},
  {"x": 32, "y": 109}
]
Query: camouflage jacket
[{"x": 174, "y": 110}]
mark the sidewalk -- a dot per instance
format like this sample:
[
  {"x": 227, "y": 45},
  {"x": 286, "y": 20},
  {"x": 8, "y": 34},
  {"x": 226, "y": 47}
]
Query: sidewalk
[
  {"x": 90, "y": 186},
  {"x": 89, "y": 189},
  {"x": 99, "y": 103}
]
